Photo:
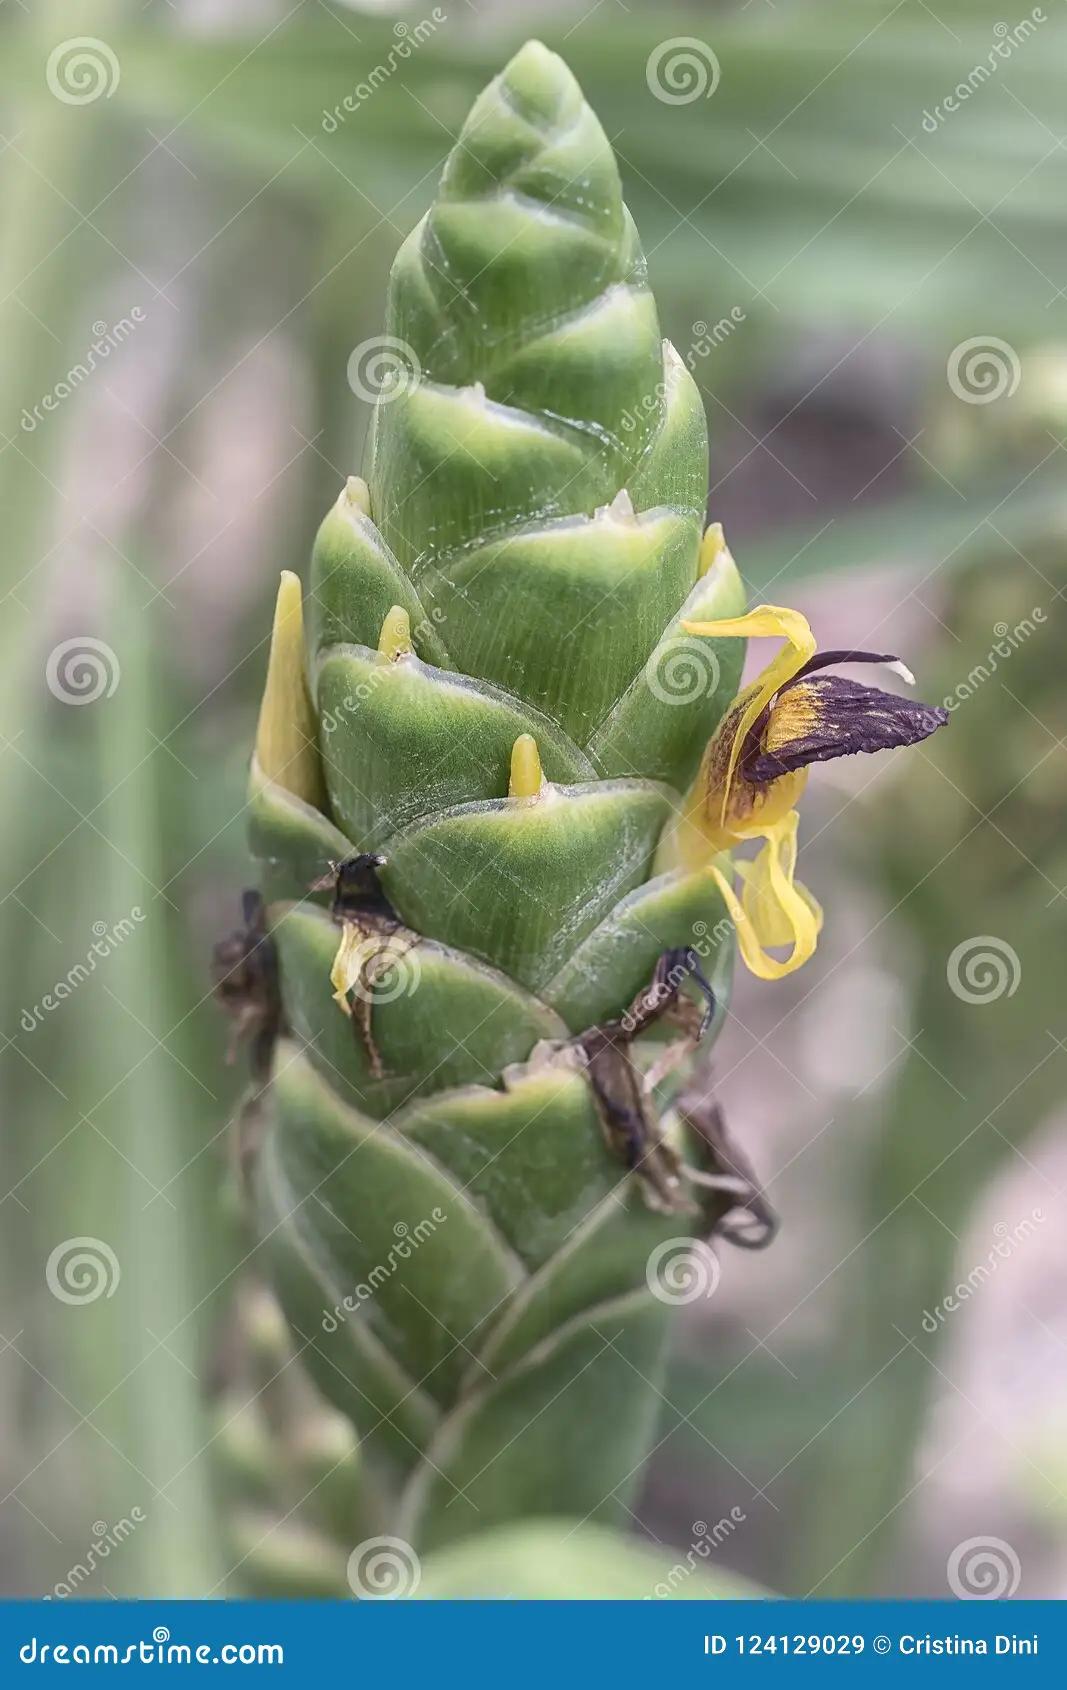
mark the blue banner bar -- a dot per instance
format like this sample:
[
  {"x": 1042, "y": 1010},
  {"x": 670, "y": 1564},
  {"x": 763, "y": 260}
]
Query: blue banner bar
[{"x": 510, "y": 1645}]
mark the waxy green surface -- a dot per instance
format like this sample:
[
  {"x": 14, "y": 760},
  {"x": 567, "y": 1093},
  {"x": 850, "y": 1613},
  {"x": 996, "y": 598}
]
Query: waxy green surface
[{"x": 537, "y": 485}]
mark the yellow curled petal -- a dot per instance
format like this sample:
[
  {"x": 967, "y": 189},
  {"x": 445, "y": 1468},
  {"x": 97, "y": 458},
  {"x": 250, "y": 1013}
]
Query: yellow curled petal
[
  {"x": 773, "y": 910},
  {"x": 348, "y": 963},
  {"x": 767, "y": 621}
]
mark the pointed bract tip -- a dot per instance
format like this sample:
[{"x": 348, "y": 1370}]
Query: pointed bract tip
[
  {"x": 395, "y": 638},
  {"x": 540, "y": 83},
  {"x": 286, "y": 748},
  {"x": 356, "y": 492},
  {"x": 711, "y": 546},
  {"x": 536, "y": 66},
  {"x": 527, "y": 776}
]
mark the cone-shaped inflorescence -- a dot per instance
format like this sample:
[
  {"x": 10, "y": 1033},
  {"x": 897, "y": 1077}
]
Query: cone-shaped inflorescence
[{"x": 507, "y": 711}]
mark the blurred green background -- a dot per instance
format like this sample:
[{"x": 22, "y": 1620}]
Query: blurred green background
[{"x": 854, "y": 218}]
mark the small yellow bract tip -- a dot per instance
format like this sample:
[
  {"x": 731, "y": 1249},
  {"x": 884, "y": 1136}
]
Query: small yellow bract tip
[
  {"x": 395, "y": 638},
  {"x": 356, "y": 492},
  {"x": 286, "y": 745},
  {"x": 527, "y": 776},
  {"x": 711, "y": 545}
]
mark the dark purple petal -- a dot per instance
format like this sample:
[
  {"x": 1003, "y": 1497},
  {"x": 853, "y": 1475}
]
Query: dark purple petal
[
  {"x": 829, "y": 659},
  {"x": 836, "y": 718}
]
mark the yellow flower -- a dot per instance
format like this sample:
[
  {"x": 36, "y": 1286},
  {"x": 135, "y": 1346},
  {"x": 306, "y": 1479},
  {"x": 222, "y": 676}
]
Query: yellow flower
[{"x": 756, "y": 767}]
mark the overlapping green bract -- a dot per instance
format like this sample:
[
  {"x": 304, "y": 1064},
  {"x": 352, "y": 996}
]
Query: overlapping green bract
[{"x": 536, "y": 503}]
